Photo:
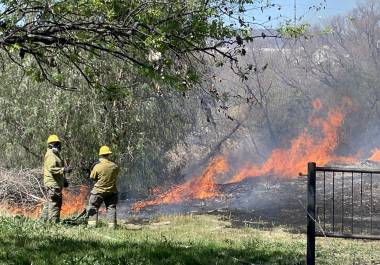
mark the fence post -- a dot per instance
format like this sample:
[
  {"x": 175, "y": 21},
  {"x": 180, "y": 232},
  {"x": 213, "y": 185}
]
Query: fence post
[{"x": 311, "y": 189}]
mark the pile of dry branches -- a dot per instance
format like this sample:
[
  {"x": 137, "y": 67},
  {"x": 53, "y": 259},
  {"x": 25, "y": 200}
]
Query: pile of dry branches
[{"x": 22, "y": 187}]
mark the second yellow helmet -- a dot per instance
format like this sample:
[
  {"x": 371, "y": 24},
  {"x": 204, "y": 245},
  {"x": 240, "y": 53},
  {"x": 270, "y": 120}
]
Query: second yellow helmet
[{"x": 104, "y": 150}]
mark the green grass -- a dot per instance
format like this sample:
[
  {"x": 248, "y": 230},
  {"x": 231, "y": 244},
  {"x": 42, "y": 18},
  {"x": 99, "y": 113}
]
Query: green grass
[{"x": 175, "y": 240}]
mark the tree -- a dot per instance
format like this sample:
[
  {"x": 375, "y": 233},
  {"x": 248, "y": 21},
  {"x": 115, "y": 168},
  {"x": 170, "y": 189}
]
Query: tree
[
  {"x": 341, "y": 60},
  {"x": 166, "y": 41},
  {"x": 141, "y": 126}
]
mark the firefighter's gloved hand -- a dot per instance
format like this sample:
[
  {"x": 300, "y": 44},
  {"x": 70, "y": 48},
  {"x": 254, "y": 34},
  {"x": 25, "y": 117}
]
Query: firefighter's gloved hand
[
  {"x": 65, "y": 183},
  {"x": 67, "y": 169}
]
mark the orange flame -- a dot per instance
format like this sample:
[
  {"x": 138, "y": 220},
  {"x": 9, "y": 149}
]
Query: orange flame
[
  {"x": 308, "y": 146},
  {"x": 32, "y": 212},
  {"x": 305, "y": 148},
  {"x": 199, "y": 187},
  {"x": 375, "y": 155},
  {"x": 72, "y": 203}
]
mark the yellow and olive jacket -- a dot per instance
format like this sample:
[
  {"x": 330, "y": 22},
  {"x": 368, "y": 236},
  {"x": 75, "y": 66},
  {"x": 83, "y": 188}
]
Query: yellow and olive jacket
[
  {"x": 53, "y": 170},
  {"x": 105, "y": 175}
]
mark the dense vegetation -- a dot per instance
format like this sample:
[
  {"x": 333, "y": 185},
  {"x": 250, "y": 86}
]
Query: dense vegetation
[{"x": 141, "y": 126}]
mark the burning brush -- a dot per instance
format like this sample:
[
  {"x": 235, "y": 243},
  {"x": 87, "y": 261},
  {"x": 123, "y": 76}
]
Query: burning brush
[
  {"x": 199, "y": 187},
  {"x": 282, "y": 162}
]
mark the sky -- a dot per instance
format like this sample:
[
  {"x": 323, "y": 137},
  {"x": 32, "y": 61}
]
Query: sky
[
  {"x": 329, "y": 8},
  {"x": 332, "y": 8},
  {"x": 304, "y": 14}
]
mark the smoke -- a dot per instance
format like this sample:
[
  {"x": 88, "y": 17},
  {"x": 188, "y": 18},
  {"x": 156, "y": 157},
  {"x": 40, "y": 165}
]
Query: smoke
[{"x": 317, "y": 142}]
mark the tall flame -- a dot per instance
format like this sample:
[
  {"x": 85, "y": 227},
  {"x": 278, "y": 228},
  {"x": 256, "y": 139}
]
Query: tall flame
[
  {"x": 199, "y": 187},
  {"x": 318, "y": 142},
  {"x": 306, "y": 147}
]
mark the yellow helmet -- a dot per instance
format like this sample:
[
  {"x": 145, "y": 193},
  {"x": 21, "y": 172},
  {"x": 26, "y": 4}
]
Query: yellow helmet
[
  {"x": 52, "y": 139},
  {"x": 104, "y": 150}
]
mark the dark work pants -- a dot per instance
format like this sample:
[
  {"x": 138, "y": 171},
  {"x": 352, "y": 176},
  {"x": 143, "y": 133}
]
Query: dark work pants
[{"x": 96, "y": 200}]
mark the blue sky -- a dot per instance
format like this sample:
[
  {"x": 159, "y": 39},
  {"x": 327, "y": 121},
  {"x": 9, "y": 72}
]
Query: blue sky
[{"x": 331, "y": 8}]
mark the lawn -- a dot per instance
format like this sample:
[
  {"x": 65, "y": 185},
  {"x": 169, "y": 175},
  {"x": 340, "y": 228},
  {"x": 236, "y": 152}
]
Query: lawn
[{"x": 188, "y": 239}]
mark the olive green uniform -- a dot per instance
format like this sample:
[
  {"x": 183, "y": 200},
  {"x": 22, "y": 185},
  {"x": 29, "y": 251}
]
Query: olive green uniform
[
  {"x": 54, "y": 181},
  {"x": 105, "y": 175}
]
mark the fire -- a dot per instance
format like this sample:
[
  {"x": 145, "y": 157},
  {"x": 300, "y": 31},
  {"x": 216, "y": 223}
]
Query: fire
[
  {"x": 306, "y": 147},
  {"x": 72, "y": 203},
  {"x": 32, "y": 212},
  {"x": 199, "y": 187},
  {"x": 317, "y": 142},
  {"x": 375, "y": 155}
]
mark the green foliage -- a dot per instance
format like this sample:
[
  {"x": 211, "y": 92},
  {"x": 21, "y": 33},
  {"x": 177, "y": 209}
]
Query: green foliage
[
  {"x": 73, "y": 35},
  {"x": 294, "y": 31},
  {"x": 140, "y": 124}
]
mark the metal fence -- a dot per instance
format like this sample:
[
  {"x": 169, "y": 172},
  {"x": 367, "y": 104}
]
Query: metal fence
[{"x": 342, "y": 202}]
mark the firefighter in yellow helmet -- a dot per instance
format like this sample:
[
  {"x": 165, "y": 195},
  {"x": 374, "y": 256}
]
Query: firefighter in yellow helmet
[
  {"x": 54, "y": 180},
  {"x": 105, "y": 176}
]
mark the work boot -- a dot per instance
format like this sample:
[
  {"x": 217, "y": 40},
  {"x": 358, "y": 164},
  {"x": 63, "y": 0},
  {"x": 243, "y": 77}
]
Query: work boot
[{"x": 92, "y": 223}]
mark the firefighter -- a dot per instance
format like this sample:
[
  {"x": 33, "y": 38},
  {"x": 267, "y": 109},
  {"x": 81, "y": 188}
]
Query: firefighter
[
  {"x": 54, "y": 180},
  {"x": 105, "y": 175}
]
